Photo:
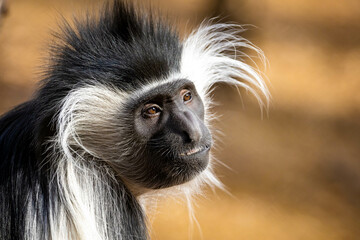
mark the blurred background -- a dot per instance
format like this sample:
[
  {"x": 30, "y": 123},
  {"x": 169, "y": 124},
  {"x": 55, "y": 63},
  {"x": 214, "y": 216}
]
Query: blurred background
[{"x": 295, "y": 173}]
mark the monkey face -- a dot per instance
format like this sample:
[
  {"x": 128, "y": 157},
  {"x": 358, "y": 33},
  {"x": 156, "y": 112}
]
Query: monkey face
[{"x": 168, "y": 122}]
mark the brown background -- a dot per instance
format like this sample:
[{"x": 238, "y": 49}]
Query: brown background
[{"x": 295, "y": 174}]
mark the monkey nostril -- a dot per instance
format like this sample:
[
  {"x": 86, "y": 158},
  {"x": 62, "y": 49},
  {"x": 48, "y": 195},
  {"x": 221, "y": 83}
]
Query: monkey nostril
[
  {"x": 187, "y": 138},
  {"x": 193, "y": 136}
]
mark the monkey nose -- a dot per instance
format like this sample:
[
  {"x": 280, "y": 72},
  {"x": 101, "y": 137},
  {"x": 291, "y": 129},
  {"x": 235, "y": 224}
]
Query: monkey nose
[{"x": 191, "y": 128}]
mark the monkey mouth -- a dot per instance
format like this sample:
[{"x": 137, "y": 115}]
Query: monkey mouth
[{"x": 195, "y": 150}]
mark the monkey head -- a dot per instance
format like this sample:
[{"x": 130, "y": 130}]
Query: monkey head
[{"x": 126, "y": 92}]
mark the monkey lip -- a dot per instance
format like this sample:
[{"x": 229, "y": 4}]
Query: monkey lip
[{"x": 195, "y": 150}]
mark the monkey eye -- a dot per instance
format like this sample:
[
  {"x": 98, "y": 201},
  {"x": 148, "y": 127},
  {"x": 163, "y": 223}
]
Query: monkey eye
[
  {"x": 187, "y": 96},
  {"x": 151, "y": 110}
]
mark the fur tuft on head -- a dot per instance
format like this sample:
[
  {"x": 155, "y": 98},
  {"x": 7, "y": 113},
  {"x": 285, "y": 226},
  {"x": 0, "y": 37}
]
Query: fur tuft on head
[{"x": 214, "y": 53}]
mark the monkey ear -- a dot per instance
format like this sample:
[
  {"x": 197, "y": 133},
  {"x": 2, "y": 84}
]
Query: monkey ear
[{"x": 214, "y": 53}]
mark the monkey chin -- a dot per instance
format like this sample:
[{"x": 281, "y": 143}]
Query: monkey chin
[
  {"x": 184, "y": 168},
  {"x": 175, "y": 171}
]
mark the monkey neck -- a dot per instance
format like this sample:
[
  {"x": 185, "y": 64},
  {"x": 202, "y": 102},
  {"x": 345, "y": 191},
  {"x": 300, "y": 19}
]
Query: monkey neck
[{"x": 135, "y": 189}]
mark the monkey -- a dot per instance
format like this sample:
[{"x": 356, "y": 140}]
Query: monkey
[{"x": 123, "y": 112}]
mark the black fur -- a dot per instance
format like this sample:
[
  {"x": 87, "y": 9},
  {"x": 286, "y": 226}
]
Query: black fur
[{"x": 120, "y": 49}]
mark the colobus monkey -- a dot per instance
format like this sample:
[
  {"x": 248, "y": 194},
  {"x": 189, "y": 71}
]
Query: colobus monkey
[{"x": 122, "y": 113}]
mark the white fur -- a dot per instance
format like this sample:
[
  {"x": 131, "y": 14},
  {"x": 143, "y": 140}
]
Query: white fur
[
  {"x": 214, "y": 54},
  {"x": 32, "y": 228},
  {"x": 85, "y": 112}
]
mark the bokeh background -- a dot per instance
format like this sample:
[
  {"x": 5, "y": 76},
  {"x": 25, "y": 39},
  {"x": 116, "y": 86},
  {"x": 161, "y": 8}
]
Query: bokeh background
[{"x": 294, "y": 173}]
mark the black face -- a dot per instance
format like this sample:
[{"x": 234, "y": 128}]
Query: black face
[{"x": 173, "y": 141}]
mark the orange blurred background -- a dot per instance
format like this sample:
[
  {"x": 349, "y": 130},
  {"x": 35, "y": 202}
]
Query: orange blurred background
[{"x": 295, "y": 174}]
